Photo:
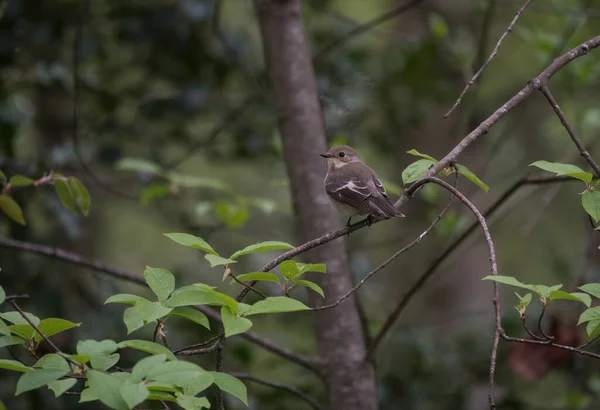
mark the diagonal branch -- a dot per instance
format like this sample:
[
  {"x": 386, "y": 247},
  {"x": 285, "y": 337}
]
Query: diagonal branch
[
  {"x": 489, "y": 60},
  {"x": 543, "y": 87}
]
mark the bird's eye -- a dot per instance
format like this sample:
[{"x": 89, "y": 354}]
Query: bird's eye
[{"x": 342, "y": 155}]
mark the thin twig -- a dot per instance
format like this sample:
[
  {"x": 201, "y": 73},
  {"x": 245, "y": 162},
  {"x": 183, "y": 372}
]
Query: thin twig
[
  {"x": 311, "y": 402},
  {"x": 197, "y": 345},
  {"x": 43, "y": 335},
  {"x": 196, "y": 352},
  {"x": 220, "y": 399},
  {"x": 15, "y": 297},
  {"x": 539, "y": 324},
  {"x": 589, "y": 342},
  {"x": 551, "y": 344},
  {"x": 529, "y": 332},
  {"x": 489, "y": 60},
  {"x": 258, "y": 292},
  {"x": 543, "y": 87}
]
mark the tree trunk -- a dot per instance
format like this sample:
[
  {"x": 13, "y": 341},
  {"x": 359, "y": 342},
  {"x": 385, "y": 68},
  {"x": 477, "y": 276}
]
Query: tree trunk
[{"x": 351, "y": 380}]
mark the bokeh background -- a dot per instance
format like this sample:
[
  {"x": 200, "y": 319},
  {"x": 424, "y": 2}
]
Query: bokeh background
[{"x": 181, "y": 85}]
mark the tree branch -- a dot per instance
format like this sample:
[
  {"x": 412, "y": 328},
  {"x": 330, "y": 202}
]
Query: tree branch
[
  {"x": 311, "y": 402},
  {"x": 489, "y": 60}
]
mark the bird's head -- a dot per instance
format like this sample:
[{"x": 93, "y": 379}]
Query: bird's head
[{"x": 340, "y": 155}]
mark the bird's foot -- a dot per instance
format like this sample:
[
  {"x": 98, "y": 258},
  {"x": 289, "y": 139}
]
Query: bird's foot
[
  {"x": 369, "y": 221},
  {"x": 348, "y": 224}
]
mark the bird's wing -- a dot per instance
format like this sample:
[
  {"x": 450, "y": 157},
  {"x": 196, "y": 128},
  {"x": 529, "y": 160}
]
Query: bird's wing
[
  {"x": 379, "y": 185},
  {"x": 352, "y": 192},
  {"x": 381, "y": 204}
]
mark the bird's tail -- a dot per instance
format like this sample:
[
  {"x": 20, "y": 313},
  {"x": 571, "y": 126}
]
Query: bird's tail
[{"x": 383, "y": 208}]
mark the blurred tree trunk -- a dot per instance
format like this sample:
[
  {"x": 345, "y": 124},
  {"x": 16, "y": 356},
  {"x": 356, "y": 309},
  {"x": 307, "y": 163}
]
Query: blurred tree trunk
[{"x": 351, "y": 380}]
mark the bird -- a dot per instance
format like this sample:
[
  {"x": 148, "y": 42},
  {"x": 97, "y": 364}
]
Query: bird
[{"x": 353, "y": 188}]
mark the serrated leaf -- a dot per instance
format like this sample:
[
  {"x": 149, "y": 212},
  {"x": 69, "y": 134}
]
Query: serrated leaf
[
  {"x": 416, "y": 170},
  {"x": 191, "y": 241},
  {"x": 231, "y": 385},
  {"x": 579, "y": 297},
  {"x": 20, "y": 181},
  {"x": 591, "y": 288},
  {"x": 37, "y": 378},
  {"x": 464, "y": 171},
  {"x": 233, "y": 324},
  {"x": 17, "y": 319},
  {"x": 266, "y": 276},
  {"x": 148, "y": 347},
  {"x": 107, "y": 389},
  {"x": 418, "y": 154},
  {"x": 139, "y": 165},
  {"x": 564, "y": 169},
  {"x": 144, "y": 366},
  {"x": 289, "y": 269},
  {"x": 80, "y": 194},
  {"x": 52, "y": 326},
  {"x": 191, "y": 314},
  {"x": 216, "y": 260},
  {"x": 591, "y": 204},
  {"x": 150, "y": 311},
  {"x": 277, "y": 304},
  {"x": 262, "y": 247},
  {"x": 66, "y": 196},
  {"x": 125, "y": 298},
  {"x": 589, "y": 314},
  {"x": 14, "y": 366},
  {"x": 311, "y": 285},
  {"x": 59, "y": 387},
  {"x": 192, "y": 403},
  {"x": 134, "y": 394},
  {"x": 11, "y": 209},
  {"x": 132, "y": 319},
  {"x": 10, "y": 341},
  {"x": 161, "y": 281}
]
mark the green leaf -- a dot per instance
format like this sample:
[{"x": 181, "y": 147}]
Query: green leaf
[
  {"x": 37, "y": 378},
  {"x": 593, "y": 328},
  {"x": 17, "y": 319},
  {"x": 231, "y": 385},
  {"x": 591, "y": 288},
  {"x": 132, "y": 319},
  {"x": 65, "y": 194},
  {"x": 589, "y": 314},
  {"x": 195, "y": 385},
  {"x": 191, "y": 241},
  {"x": 262, "y": 247},
  {"x": 53, "y": 361},
  {"x": 180, "y": 373},
  {"x": 259, "y": 276},
  {"x": 438, "y": 25},
  {"x": 197, "y": 295},
  {"x": 100, "y": 353},
  {"x": 311, "y": 267},
  {"x": 86, "y": 396},
  {"x": 20, "y": 180},
  {"x": 231, "y": 214},
  {"x": 591, "y": 204},
  {"x": 154, "y": 386},
  {"x": 193, "y": 315},
  {"x": 59, "y": 387},
  {"x": 52, "y": 326},
  {"x": 161, "y": 281},
  {"x": 233, "y": 324},
  {"x": 148, "y": 347},
  {"x": 4, "y": 330},
  {"x": 134, "y": 394},
  {"x": 10, "y": 341},
  {"x": 472, "y": 177},
  {"x": 579, "y": 297},
  {"x": 277, "y": 304},
  {"x": 564, "y": 169},
  {"x": 311, "y": 285},
  {"x": 80, "y": 194},
  {"x": 216, "y": 260},
  {"x": 391, "y": 188},
  {"x": 2, "y": 295},
  {"x": 192, "y": 403},
  {"x": 524, "y": 301},
  {"x": 123, "y": 298},
  {"x": 25, "y": 331},
  {"x": 14, "y": 366},
  {"x": 154, "y": 191},
  {"x": 2, "y": 177},
  {"x": 541, "y": 290},
  {"x": 11, "y": 209},
  {"x": 107, "y": 389},
  {"x": 289, "y": 269},
  {"x": 418, "y": 154},
  {"x": 160, "y": 395},
  {"x": 139, "y": 165},
  {"x": 144, "y": 366},
  {"x": 416, "y": 170},
  {"x": 150, "y": 311}
]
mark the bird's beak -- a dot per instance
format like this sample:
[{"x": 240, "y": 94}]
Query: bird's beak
[{"x": 326, "y": 155}]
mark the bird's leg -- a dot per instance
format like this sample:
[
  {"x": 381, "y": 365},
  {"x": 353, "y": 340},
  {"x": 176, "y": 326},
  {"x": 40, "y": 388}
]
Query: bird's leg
[
  {"x": 348, "y": 223},
  {"x": 369, "y": 220}
]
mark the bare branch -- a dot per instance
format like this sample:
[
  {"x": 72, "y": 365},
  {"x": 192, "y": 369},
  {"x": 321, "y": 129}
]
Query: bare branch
[
  {"x": 489, "y": 60},
  {"x": 543, "y": 87},
  {"x": 196, "y": 352},
  {"x": 551, "y": 344},
  {"x": 311, "y": 402},
  {"x": 356, "y": 31}
]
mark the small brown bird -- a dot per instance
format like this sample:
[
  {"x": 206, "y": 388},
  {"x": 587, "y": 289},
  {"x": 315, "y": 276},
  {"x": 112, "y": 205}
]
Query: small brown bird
[{"x": 353, "y": 188}]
